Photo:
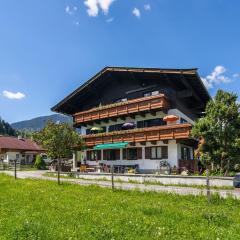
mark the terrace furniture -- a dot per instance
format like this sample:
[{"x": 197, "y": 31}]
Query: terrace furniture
[
  {"x": 90, "y": 169},
  {"x": 83, "y": 168}
]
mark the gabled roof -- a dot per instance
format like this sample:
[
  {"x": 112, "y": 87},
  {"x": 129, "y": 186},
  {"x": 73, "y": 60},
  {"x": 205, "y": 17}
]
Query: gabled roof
[
  {"x": 191, "y": 79},
  {"x": 19, "y": 144}
]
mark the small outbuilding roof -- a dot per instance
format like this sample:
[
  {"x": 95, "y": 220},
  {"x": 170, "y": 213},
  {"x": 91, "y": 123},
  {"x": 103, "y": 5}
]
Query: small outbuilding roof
[{"x": 15, "y": 143}]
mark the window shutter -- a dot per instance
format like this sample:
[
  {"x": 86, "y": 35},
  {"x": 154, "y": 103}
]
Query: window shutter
[
  {"x": 98, "y": 155},
  {"x": 147, "y": 152},
  {"x": 124, "y": 153},
  {"x": 165, "y": 152},
  {"x": 88, "y": 155},
  {"x": 117, "y": 154},
  {"x": 105, "y": 155},
  {"x": 139, "y": 153}
]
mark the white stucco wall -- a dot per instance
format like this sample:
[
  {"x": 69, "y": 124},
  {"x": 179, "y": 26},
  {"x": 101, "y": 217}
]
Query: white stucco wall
[
  {"x": 10, "y": 156},
  {"x": 180, "y": 114},
  {"x": 174, "y": 149},
  {"x": 146, "y": 164}
]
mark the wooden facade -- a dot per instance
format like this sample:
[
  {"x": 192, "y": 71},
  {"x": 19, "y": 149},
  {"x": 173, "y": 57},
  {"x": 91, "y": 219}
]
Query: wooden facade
[
  {"x": 144, "y": 104},
  {"x": 142, "y": 97},
  {"x": 178, "y": 131}
]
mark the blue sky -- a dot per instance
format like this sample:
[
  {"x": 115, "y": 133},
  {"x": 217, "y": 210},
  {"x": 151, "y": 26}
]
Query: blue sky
[{"x": 48, "y": 48}]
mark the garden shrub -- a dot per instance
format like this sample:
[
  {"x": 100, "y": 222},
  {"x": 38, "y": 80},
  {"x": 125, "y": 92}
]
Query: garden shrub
[{"x": 40, "y": 163}]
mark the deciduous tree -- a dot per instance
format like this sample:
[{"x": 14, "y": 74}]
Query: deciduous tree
[
  {"x": 59, "y": 140},
  {"x": 219, "y": 131}
]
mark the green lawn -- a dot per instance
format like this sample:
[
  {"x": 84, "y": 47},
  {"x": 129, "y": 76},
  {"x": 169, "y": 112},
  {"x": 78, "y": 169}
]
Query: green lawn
[{"x": 36, "y": 209}]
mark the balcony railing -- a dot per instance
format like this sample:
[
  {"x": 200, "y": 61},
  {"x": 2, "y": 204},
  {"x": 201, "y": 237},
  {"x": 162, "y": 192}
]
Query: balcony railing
[
  {"x": 144, "y": 104},
  {"x": 178, "y": 131}
]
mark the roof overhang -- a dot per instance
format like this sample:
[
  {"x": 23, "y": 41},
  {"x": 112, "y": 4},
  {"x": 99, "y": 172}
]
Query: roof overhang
[{"x": 188, "y": 77}]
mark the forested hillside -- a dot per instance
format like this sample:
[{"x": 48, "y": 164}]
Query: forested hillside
[
  {"x": 38, "y": 123},
  {"x": 6, "y": 129}
]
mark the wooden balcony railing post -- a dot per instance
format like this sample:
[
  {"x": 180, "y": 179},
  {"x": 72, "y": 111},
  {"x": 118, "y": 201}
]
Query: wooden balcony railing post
[{"x": 179, "y": 131}]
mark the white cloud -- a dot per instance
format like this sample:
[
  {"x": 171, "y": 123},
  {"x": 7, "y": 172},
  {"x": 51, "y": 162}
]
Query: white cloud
[
  {"x": 136, "y": 12},
  {"x": 93, "y": 6},
  {"x": 70, "y": 10},
  {"x": 147, "y": 7},
  {"x": 12, "y": 95},
  {"x": 236, "y": 75},
  {"x": 216, "y": 77},
  {"x": 109, "y": 20}
]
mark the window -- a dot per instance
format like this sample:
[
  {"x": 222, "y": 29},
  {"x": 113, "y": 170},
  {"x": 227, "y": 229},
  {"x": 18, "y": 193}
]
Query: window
[
  {"x": 132, "y": 154},
  {"x": 116, "y": 127},
  {"x": 147, "y": 94},
  {"x": 121, "y": 100},
  {"x": 154, "y": 93},
  {"x": 151, "y": 123},
  {"x": 88, "y": 131},
  {"x": 158, "y": 152},
  {"x": 185, "y": 153},
  {"x": 182, "y": 120},
  {"x": 93, "y": 155},
  {"x": 111, "y": 154},
  {"x": 17, "y": 156}
]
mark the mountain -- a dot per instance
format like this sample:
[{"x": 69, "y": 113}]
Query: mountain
[
  {"x": 6, "y": 129},
  {"x": 38, "y": 123}
]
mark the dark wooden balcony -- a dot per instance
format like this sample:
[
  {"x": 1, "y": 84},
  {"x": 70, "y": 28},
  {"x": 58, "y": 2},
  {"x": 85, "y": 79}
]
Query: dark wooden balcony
[
  {"x": 144, "y": 104},
  {"x": 178, "y": 131}
]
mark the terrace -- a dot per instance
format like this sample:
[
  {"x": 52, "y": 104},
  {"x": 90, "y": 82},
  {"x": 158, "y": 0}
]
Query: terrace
[
  {"x": 121, "y": 109},
  {"x": 141, "y": 135}
]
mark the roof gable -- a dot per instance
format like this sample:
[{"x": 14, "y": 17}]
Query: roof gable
[{"x": 190, "y": 79}]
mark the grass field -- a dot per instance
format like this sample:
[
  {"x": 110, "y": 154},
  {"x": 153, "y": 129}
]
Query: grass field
[{"x": 37, "y": 209}]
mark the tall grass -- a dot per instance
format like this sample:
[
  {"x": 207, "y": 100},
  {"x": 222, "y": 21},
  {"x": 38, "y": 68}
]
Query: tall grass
[{"x": 37, "y": 209}]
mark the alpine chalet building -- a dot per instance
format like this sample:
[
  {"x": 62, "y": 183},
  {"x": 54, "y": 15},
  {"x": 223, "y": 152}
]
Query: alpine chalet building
[{"x": 140, "y": 117}]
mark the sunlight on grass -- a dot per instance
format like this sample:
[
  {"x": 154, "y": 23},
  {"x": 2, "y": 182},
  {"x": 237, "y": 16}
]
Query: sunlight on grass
[{"x": 37, "y": 209}]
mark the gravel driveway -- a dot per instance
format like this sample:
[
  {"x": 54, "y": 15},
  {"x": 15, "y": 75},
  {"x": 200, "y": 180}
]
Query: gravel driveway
[{"x": 129, "y": 186}]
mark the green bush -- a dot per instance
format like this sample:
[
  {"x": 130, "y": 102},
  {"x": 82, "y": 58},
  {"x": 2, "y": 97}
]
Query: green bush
[{"x": 40, "y": 163}]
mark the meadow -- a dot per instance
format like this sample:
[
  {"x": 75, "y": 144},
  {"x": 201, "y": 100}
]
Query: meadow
[{"x": 38, "y": 209}]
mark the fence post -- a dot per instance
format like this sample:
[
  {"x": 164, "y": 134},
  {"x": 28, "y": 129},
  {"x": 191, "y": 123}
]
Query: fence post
[
  {"x": 15, "y": 168},
  {"x": 59, "y": 171},
  {"x": 112, "y": 171},
  {"x": 208, "y": 185}
]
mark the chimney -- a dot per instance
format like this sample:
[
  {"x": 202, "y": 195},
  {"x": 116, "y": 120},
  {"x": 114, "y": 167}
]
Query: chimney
[{"x": 20, "y": 137}]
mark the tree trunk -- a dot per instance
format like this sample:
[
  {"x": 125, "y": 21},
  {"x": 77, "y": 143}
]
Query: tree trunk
[{"x": 59, "y": 170}]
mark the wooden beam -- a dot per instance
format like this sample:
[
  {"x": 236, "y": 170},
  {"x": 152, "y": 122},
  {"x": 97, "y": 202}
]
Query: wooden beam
[
  {"x": 185, "y": 93},
  {"x": 187, "y": 85}
]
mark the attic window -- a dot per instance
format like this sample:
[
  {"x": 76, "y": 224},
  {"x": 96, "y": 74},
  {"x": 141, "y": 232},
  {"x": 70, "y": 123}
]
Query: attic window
[
  {"x": 154, "y": 93},
  {"x": 121, "y": 100}
]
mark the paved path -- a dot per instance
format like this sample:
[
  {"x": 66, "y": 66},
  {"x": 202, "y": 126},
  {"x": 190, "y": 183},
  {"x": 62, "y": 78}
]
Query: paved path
[{"x": 129, "y": 186}]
